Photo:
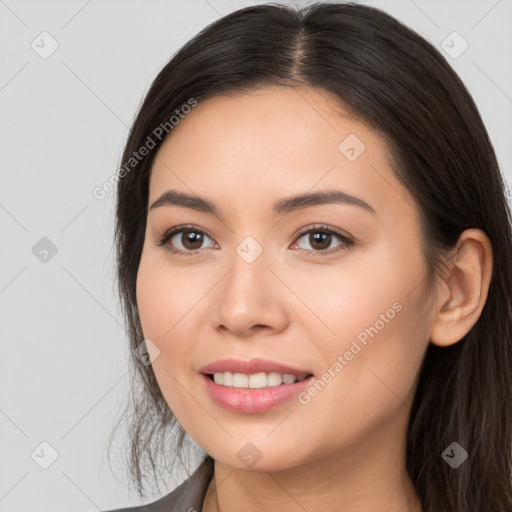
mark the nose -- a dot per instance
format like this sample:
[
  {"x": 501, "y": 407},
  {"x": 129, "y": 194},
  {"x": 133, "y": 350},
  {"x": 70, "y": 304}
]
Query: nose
[{"x": 250, "y": 299}]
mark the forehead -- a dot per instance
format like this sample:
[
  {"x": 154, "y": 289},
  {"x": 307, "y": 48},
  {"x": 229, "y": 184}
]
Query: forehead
[{"x": 275, "y": 142}]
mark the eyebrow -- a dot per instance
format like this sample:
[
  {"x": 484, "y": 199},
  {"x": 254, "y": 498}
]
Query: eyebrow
[{"x": 287, "y": 205}]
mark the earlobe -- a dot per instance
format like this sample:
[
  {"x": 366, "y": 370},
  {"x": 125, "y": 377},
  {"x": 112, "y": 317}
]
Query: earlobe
[{"x": 464, "y": 289}]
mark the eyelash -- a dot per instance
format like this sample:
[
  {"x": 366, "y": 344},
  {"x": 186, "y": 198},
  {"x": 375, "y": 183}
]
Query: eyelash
[{"x": 169, "y": 233}]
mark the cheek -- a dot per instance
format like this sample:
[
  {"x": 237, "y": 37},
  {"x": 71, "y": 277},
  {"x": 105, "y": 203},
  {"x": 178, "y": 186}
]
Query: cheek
[
  {"x": 370, "y": 368},
  {"x": 165, "y": 296},
  {"x": 371, "y": 313},
  {"x": 365, "y": 288},
  {"x": 152, "y": 301}
]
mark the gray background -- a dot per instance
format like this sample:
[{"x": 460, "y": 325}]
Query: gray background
[{"x": 64, "y": 118}]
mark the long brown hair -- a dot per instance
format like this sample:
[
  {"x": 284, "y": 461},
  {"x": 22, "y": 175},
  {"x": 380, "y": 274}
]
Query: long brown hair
[{"x": 391, "y": 78}]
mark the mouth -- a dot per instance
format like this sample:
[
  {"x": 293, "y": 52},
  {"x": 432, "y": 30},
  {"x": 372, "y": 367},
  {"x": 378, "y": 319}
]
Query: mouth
[
  {"x": 256, "y": 380},
  {"x": 254, "y": 392},
  {"x": 253, "y": 374}
]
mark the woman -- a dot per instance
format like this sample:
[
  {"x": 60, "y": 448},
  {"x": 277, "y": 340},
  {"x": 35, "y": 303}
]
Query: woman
[{"x": 314, "y": 257}]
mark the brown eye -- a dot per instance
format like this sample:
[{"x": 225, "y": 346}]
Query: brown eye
[
  {"x": 190, "y": 239},
  {"x": 320, "y": 241},
  {"x": 184, "y": 239},
  {"x": 321, "y": 238}
]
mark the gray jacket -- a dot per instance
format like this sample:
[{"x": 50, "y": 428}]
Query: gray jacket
[{"x": 188, "y": 497}]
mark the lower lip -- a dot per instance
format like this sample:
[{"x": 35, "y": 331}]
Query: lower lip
[{"x": 254, "y": 399}]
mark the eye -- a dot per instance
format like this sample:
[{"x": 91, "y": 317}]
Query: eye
[
  {"x": 320, "y": 239},
  {"x": 187, "y": 239}
]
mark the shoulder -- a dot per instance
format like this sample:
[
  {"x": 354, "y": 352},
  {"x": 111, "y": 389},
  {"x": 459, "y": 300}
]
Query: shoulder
[{"x": 187, "y": 496}]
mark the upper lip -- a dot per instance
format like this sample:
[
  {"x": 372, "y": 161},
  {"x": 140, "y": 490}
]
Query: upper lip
[{"x": 251, "y": 366}]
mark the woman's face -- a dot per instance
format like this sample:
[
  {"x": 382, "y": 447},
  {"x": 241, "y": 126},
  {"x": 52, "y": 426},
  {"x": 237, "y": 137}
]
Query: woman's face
[{"x": 333, "y": 290}]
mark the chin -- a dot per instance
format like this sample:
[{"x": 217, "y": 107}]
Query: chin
[{"x": 251, "y": 456}]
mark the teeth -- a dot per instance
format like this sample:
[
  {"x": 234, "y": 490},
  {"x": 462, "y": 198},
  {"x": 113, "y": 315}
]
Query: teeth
[
  {"x": 227, "y": 378},
  {"x": 254, "y": 380},
  {"x": 289, "y": 379},
  {"x": 240, "y": 380}
]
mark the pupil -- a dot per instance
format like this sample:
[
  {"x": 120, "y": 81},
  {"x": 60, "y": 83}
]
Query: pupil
[
  {"x": 320, "y": 238},
  {"x": 193, "y": 240}
]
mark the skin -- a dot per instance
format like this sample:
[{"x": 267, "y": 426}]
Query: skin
[{"x": 345, "y": 448}]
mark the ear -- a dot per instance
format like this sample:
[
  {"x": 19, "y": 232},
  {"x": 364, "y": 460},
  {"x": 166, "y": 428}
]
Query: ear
[{"x": 463, "y": 292}]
